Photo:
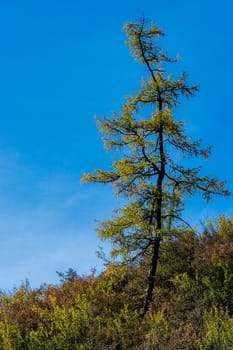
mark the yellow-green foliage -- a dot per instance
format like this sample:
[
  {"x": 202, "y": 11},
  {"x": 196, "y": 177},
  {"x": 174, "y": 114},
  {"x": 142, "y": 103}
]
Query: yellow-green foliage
[
  {"x": 104, "y": 312},
  {"x": 219, "y": 331},
  {"x": 61, "y": 327}
]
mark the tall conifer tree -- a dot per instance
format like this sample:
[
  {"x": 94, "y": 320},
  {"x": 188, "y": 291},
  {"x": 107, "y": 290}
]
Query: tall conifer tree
[{"x": 150, "y": 173}]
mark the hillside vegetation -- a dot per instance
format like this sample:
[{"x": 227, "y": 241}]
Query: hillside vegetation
[{"x": 192, "y": 305}]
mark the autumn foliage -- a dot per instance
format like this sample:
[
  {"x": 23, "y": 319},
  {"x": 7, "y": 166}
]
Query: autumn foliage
[{"x": 192, "y": 304}]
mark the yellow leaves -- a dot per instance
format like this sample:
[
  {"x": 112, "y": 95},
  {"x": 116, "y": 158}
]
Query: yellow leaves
[
  {"x": 219, "y": 330},
  {"x": 100, "y": 176},
  {"x": 124, "y": 167},
  {"x": 35, "y": 308},
  {"x": 52, "y": 300},
  {"x": 159, "y": 233},
  {"x": 156, "y": 30},
  {"x": 158, "y": 330},
  {"x": 225, "y": 226},
  {"x": 86, "y": 178},
  {"x": 128, "y": 108},
  {"x": 143, "y": 38},
  {"x": 127, "y": 231},
  {"x": 8, "y": 334},
  {"x": 4, "y": 299}
]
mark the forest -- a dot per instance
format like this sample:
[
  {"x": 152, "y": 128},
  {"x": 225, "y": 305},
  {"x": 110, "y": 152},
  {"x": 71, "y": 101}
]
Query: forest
[{"x": 165, "y": 285}]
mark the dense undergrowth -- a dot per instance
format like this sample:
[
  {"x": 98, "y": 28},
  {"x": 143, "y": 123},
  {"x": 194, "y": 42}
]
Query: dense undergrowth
[{"x": 192, "y": 304}]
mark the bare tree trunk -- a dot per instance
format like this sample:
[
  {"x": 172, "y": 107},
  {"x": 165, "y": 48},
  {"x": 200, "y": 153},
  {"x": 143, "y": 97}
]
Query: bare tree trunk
[
  {"x": 158, "y": 214},
  {"x": 151, "y": 276}
]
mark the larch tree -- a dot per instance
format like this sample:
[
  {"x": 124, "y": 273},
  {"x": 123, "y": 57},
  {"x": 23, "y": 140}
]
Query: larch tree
[{"x": 151, "y": 172}]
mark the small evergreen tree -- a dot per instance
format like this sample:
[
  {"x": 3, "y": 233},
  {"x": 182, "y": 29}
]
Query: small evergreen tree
[{"x": 150, "y": 173}]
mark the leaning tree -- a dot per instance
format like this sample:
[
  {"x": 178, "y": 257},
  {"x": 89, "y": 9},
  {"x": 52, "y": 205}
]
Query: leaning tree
[{"x": 151, "y": 172}]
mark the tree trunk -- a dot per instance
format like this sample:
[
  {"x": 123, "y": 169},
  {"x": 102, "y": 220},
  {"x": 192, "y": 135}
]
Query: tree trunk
[
  {"x": 158, "y": 211},
  {"x": 151, "y": 275}
]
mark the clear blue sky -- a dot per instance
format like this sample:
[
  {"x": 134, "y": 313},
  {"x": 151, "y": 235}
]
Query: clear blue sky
[{"x": 63, "y": 61}]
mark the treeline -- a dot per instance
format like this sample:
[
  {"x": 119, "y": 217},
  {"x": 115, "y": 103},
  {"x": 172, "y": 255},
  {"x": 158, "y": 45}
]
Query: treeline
[{"x": 192, "y": 306}]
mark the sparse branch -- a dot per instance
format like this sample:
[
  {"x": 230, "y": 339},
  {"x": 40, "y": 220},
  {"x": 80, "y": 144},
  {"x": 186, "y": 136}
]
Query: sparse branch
[
  {"x": 177, "y": 217},
  {"x": 145, "y": 59},
  {"x": 149, "y": 160}
]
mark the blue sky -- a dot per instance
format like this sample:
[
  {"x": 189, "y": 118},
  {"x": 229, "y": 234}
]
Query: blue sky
[{"x": 63, "y": 61}]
